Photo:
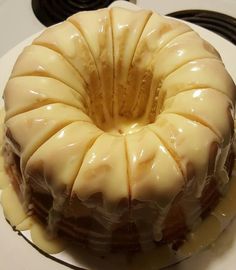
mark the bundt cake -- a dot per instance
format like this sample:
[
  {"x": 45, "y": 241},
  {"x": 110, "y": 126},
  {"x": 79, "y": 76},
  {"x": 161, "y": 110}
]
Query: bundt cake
[{"x": 119, "y": 129}]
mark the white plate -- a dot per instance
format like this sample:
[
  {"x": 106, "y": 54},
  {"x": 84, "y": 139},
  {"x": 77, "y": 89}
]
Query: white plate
[{"x": 16, "y": 253}]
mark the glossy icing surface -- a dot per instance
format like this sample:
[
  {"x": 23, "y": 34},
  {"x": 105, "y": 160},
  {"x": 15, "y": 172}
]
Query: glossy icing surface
[{"x": 115, "y": 111}]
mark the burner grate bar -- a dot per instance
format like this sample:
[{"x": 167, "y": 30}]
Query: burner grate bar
[{"x": 222, "y": 24}]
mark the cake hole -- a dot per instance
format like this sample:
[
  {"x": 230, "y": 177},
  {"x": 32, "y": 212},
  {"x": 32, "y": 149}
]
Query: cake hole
[{"x": 122, "y": 126}]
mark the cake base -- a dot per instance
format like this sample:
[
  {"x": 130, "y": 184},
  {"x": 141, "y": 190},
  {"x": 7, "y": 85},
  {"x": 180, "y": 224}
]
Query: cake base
[
  {"x": 89, "y": 233},
  {"x": 201, "y": 238},
  {"x": 159, "y": 257}
]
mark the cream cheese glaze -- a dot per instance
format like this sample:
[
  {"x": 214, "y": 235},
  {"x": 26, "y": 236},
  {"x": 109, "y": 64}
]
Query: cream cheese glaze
[
  {"x": 115, "y": 118},
  {"x": 192, "y": 155},
  {"x": 17, "y": 217},
  {"x": 27, "y": 97},
  {"x": 32, "y": 63},
  {"x": 198, "y": 111}
]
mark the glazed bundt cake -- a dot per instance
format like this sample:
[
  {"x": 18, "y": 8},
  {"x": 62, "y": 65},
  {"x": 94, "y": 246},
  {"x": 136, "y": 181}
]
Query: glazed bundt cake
[{"x": 119, "y": 129}]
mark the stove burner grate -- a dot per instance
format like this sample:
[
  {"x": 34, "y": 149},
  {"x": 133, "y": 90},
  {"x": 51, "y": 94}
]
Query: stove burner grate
[
  {"x": 222, "y": 24},
  {"x": 50, "y": 12}
]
